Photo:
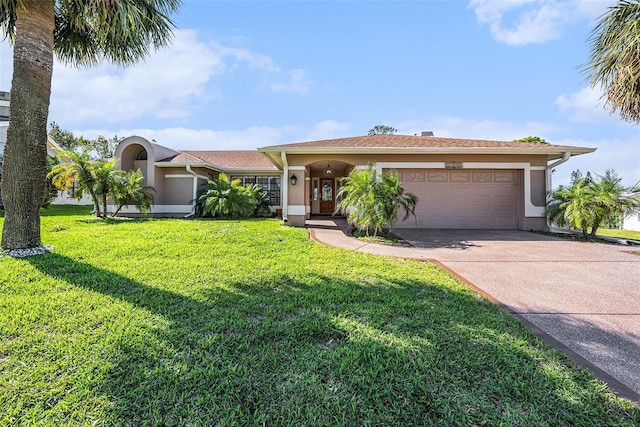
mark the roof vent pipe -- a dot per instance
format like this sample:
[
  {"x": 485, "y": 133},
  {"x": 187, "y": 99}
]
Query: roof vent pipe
[{"x": 427, "y": 133}]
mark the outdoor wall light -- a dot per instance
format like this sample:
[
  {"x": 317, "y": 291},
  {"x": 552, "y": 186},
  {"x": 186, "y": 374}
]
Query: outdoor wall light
[{"x": 293, "y": 179}]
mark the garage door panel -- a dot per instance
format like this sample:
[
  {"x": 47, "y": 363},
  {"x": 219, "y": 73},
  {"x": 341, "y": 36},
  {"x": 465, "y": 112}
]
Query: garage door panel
[{"x": 463, "y": 198}]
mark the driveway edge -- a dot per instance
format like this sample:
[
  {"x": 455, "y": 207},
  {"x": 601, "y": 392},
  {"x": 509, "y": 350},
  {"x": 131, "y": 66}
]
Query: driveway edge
[{"x": 615, "y": 385}]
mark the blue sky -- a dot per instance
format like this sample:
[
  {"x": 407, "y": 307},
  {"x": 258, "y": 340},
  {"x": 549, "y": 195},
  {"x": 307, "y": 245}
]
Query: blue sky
[{"x": 241, "y": 75}]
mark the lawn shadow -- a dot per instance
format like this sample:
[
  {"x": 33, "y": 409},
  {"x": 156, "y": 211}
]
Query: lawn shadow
[
  {"x": 322, "y": 350},
  {"x": 463, "y": 239}
]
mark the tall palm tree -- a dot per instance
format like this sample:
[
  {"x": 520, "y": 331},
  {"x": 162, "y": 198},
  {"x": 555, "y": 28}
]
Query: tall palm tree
[
  {"x": 80, "y": 32},
  {"x": 613, "y": 64}
]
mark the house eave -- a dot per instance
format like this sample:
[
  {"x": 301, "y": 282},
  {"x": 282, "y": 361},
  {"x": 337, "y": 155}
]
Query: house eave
[
  {"x": 553, "y": 150},
  {"x": 258, "y": 171},
  {"x": 217, "y": 168},
  {"x": 191, "y": 164}
]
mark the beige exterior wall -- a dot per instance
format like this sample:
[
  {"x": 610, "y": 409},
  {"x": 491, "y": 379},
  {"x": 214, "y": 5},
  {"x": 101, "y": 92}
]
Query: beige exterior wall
[
  {"x": 343, "y": 163},
  {"x": 538, "y": 188},
  {"x": 297, "y": 192},
  {"x": 178, "y": 191}
]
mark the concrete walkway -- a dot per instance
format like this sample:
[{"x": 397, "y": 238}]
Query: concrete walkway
[{"x": 582, "y": 298}]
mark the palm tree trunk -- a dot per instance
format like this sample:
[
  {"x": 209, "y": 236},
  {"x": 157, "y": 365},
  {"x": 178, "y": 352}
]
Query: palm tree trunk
[
  {"x": 24, "y": 169},
  {"x": 104, "y": 205}
]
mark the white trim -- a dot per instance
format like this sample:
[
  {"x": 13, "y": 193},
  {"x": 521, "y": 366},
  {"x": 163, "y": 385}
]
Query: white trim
[
  {"x": 179, "y": 175},
  {"x": 297, "y": 209},
  {"x": 297, "y": 168},
  {"x": 284, "y": 186},
  {"x": 530, "y": 210},
  {"x": 538, "y": 168}
]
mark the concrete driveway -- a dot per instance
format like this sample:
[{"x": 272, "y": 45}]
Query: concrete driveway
[{"x": 583, "y": 298}]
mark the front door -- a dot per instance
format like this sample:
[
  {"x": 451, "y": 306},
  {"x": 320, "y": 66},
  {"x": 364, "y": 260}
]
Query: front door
[{"x": 327, "y": 196}]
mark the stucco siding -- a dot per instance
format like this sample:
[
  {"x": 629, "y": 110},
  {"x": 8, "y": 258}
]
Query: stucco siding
[
  {"x": 178, "y": 191},
  {"x": 538, "y": 189}
]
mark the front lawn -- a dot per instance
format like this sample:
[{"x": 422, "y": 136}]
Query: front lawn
[
  {"x": 622, "y": 234},
  {"x": 202, "y": 322}
]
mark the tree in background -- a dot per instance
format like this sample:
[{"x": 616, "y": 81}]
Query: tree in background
[
  {"x": 372, "y": 201},
  {"x": 613, "y": 64},
  {"x": 101, "y": 147},
  {"x": 588, "y": 203},
  {"x": 382, "y": 130},
  {"x": 80, "y": 33},
  {"x": 532, "y": 140}
]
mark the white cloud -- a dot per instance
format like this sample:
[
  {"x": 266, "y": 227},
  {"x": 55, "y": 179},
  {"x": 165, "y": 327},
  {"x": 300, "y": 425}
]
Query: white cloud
[
  {"x": 328, "y": 129},
  {"x": 621, "y": 155},
  {"x": 584, "y": 105},
  {"x": 521, "y": 22},
  {"x": 456, "y": 127},
  {"x": 170, "y": 83},
  {"x": 209, "y": 139},
  {"x": 296, "y": 83}
]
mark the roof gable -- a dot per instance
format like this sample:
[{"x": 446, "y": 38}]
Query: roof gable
[{"x": 226, "y": 159}]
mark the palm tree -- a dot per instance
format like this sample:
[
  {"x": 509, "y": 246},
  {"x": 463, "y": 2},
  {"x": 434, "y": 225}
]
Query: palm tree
[
  {"x": 614, "y": 61},
  {"x": 614, "y": 201},
  {"x": 78, "y": 168},
  {"x": 573, "y": 206},
  {"x": 130, "y": 191},
  {"x": 589, "y": 203},
  {"x": 107, "y": 180},
  {"x": 80, "y": 33},
  {"x": 227, "y": 199},
  {"x": 373, "y": 201}
]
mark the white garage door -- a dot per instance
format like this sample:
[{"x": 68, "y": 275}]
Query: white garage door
[{"x": 482, "y": 199}]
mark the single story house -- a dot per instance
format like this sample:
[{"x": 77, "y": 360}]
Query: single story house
[{"x": 460, "y": 183}]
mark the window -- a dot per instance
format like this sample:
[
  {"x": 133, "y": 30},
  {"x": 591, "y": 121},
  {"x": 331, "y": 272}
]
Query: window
[
  {"x": 142, "y": 155},
  {"x": 270, "y": 185}
]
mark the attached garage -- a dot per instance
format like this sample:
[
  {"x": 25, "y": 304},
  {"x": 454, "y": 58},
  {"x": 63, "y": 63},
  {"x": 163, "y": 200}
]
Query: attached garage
[
  {"x": 461, "y": 183},
  {"x": 467, "y": 199}
]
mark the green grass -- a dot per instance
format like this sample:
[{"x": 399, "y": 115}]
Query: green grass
[
  {"x": 202, "y": 322},
  {"x": 623, "y": 234}
]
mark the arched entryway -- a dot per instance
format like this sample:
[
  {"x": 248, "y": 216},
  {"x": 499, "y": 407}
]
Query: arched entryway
[{"x": 325, "y": 179}]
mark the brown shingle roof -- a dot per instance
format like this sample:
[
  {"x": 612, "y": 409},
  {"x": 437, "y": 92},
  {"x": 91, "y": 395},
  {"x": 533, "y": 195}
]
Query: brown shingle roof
[
  {"x": 226, "y": 159},
  {"x": 406, "y": 141}
]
